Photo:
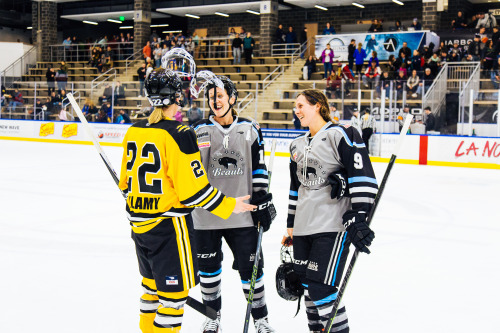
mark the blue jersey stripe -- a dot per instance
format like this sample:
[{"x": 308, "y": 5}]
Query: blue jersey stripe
[
  {"x": 211, "y": 274},
  {"x": 357, "y": 145},
  {"x": 248, "y": 282},
  {"x": 260, "y": 172},
  {"x": 362, "y": 180},
  {"x": 327, "y": 299},
  {"x": 294, "y": 193}
]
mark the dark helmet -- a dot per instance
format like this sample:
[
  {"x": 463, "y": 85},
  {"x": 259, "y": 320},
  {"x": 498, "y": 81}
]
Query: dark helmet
[
  {"x": 163, "y": 87},
  {"x": 288, "y": 282},
  {"x": 228, "y": 86}
]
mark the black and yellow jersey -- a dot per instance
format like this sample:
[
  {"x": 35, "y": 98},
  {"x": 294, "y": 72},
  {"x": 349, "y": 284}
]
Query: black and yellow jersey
[{"x": 163, "y": 176}]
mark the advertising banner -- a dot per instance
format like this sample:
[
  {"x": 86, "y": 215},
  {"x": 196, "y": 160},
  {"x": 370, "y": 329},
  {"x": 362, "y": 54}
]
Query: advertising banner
[
  {"x": 462, "y": 37},
  {"x": 385, "y": 43}
]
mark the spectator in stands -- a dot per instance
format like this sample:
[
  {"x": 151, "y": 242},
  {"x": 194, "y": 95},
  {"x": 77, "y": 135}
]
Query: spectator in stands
[
  {"x": 16, "y": 100},
  {"x": 146, "y": 51},
  {"x": 376, "y": 26},
  {"x": 194, "y": 114},
  {"x": 385, "y": 83},
  {"x": 106, "y": 94},
  {"x": 347, "y": 75},
  {"x": 427, "y": 79},
  {"x": 434, "y": 63},
  {"x": 248, "y": 45},
  {"x": 51, "y": 79},
  {"x": 356, "y": 121},
  {"x": 67, "y": 48},
  {"x": 94, "y": 57},
  {"x": 430, "y": 120},
  {"x": 311, "y": 66},
  {"x": 64, "y": 66},
  {"x": 236, "y": 47},
  {"x": 89, "y": 109},
  {"x": 280, "y": 35},
  {"x": 489, "y": 55},
  {"x": 495, "y": 74},
  {"x": 495, "y": 36},
  {"x": 107, "y": 62},
  {"x": 483, "y": 37},
  {"x": 334, "y": 114},
  {"x": 157, "y": 55},
  {"x": 443, "y": 48},
  {"x": 372, "y": 75},
  {"x": 415, "y": 25},
  {"x": 402, "y": 116},
  {"x": 329, "y": 30},
  {"x": 327, "y": 60},
  {"x": 397, "y": 26},
  {"x": 413, "y": 84},
  {"x": 359, "y": 57},
  {"x": 459, "y": 21},
  {"x": 189, "y": 46},
  {"x": 416, "y": 62},
  {"x": 38, "y": 110},
  {"x": 367, "y": 127},
  {"x": 55, "y": 102},
  {"x": 406, "y": 50},
  {"x": 119, "y": 93},
  {"x": 61, "y": 79},
  {"x": 63, "y": 96},
  {"x": 453, "y": 56},
  {"x": 486, "y": 20},
  {"x": 291, "y": 38},
  {"x": 141, "y": 72},
  {"x": 46, "y": 107},
  {"x": 401, "y": 82},
  {"x": 475, "y": 48},
  {"x": 103, "y": 42},
  {"x": 149, "y": 63},
  {"x": 334, "y": 85},
  {"x": 374, "y": 58},
  {"x": 350, "y": 53},
  {"x": 457, "y": 49},
  {"x": 123, "y": 118},
  {"x": 102, "y": 117},
  {"x": 391, "y": 66},
  {"x": 473, "y": 22},
  {"x": 296, "y": 120}
]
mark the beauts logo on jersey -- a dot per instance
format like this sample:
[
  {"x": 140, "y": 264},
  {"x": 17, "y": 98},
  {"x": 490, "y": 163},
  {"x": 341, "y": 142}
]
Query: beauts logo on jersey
[
  {"x": 313, "y": 174},
  {"x": 227, "y": 163}
]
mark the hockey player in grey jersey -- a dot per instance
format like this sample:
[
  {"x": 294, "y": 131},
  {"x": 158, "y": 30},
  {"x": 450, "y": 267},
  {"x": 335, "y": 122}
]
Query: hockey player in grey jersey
[
  {"x": 323, "y": 219},
  {"x": 232, "y": 152}
]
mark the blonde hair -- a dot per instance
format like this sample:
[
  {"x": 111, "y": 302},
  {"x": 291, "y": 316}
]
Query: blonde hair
[
  {"x": 314, "y": 97},
  {"x": 156, "y": 116}
]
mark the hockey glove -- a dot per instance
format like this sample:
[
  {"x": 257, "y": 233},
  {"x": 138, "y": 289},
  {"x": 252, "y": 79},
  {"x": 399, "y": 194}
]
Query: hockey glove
[
  {"x": 358, "y": 232},
  {"x": 265, "y": 211},
  {"x": 338, "y": 181}
]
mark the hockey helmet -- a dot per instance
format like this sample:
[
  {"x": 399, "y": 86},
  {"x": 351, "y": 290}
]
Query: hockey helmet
[
  {"x": 288, "y": 282},
  {"x": 163, "y": 88}
]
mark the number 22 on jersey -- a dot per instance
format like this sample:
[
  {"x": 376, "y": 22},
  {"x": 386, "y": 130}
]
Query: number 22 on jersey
[{"x": 145, "y": 168}]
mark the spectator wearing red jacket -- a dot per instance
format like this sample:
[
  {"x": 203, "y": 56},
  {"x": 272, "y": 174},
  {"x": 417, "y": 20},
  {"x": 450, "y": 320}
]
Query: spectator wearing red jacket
[{"x": 372, "y": 75}]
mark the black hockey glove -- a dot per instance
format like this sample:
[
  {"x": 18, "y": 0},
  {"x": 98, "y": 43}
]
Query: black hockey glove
[
  {"x": 338, "y": 181},
  {"x": 358, "y": 232},
  {"x": 265, "y": 211}
]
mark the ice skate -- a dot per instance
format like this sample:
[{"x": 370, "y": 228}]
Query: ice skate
[
  {"x": 212, "y": 325},
  {"x": 262, "y": 326}
]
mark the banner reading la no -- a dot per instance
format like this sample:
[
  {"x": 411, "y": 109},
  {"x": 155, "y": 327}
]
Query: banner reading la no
[{"x": 384, "y": 43}]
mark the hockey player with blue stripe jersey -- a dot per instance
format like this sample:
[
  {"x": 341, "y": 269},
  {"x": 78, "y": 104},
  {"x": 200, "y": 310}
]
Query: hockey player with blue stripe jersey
[
  {"x": 232, "y": 153},
  {"x": 323, "y": 219}
]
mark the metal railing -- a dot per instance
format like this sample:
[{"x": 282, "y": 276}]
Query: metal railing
[
  {"x": 132, "y": 59},
  {"x": 468, "y": 93},
  {"x": 286, "y": 49},
  {"x": 435, "y": 96},
  {"x": 83, "y": 51},
  {"x": 244, "y": 102},
  {"x": 65, "y": 103},
  {"x": 18, "y": 68},
  {"x": 219, "y": 47},
  {"x": 277, "y": 72},
  {"x": 107, "y": 77}
]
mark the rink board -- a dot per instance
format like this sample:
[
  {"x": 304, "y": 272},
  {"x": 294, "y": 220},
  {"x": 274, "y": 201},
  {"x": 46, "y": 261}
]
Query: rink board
[{"x": 458, "y": 151}]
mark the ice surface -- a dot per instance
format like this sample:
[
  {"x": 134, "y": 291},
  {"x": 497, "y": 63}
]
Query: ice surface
[{"x": 68, "y": 264}]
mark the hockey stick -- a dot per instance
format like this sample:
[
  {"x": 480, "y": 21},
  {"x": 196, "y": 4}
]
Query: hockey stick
[
  {"x": 196, "y": 305},
  {"x": 368, "y": 221},
  {"x": 259, "y": 244}
]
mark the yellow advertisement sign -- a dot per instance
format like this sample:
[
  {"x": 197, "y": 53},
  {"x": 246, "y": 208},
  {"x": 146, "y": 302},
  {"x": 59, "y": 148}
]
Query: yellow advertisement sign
[
  {"x": 46, "y": 129},
  {"x": 69, "y": 130}
]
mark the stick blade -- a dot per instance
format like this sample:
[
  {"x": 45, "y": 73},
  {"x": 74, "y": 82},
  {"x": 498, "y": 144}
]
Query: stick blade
[{"x": 202, "y": 308}]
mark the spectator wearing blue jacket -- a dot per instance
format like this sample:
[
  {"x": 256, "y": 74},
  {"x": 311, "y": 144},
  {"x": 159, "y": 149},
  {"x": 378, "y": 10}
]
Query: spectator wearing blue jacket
[
  {"x": 359, "y": 58},
  {"x": 291, "y": 37},
  {"x": 327, "y": 60},
  {"x": 329, "y": 30},
  {"x": 374, "y": 58}
]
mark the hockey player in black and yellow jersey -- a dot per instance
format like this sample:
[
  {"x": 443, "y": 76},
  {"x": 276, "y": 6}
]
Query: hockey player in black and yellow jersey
[{"x": 164, "y": 180}]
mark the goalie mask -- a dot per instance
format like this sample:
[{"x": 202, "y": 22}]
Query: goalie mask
[
  {"x": 163, "y": 88},
  {"x": 230, "y": 89},
  {"x": 288, "y": 282}
]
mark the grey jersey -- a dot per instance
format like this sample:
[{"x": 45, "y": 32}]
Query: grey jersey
[
  {"x": 233, "y": 158},
  {"x": 311, "y": 209}
]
